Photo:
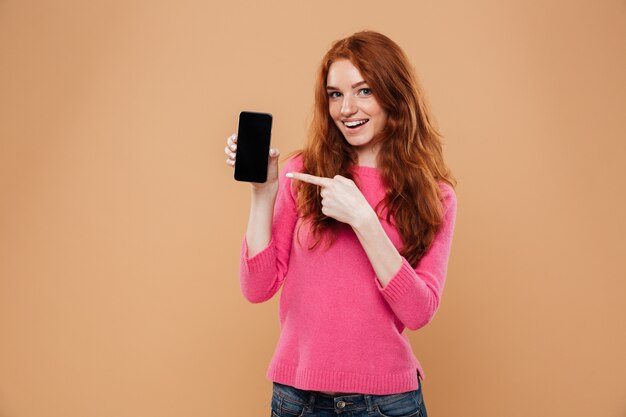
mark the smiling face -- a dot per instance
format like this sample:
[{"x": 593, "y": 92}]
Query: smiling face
[{"x": 354, "y": 109}]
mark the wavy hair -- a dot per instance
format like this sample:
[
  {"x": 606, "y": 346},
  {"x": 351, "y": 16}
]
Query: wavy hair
[{"x": 410, "y": 158}]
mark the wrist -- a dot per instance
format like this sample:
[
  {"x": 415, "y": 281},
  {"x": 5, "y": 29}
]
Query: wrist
[
  {"x": 364, "y": 220},
  {"x": 265, "y": 190}
]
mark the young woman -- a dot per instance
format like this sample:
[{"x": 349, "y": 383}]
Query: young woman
[{"x": 357, "y": 232}]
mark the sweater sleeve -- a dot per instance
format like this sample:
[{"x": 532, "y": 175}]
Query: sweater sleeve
[
  {"x": 261, "y": 275},
  {"x": 414, "y": 293}
]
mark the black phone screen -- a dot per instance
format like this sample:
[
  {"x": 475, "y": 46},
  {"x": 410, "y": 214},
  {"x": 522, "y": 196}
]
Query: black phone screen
[{"x": 253, "y": 146}]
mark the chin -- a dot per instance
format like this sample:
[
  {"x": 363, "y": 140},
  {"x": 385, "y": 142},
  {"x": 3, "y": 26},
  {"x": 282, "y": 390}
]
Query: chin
[{"x": 358, "y": 140}]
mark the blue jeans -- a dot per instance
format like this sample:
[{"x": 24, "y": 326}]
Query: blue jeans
[{"x": 288, "y": 401}]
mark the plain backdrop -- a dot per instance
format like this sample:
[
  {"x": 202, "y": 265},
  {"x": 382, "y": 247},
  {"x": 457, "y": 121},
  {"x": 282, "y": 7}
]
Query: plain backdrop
[{"x": 121, "y": 225}]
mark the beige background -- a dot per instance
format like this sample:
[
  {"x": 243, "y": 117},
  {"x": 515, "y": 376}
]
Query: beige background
[{"x": 120, "y": 224}]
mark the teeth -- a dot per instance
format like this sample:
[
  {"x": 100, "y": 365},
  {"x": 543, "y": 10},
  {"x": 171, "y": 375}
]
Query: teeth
[{"x": 355, "y": 123}]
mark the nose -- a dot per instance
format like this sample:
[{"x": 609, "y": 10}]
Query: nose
[{"x": 348, "y": 106}]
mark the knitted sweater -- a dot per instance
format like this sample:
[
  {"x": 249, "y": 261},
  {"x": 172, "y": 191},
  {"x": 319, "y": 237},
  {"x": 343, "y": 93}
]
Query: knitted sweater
[{"x": 340, "y": 329}]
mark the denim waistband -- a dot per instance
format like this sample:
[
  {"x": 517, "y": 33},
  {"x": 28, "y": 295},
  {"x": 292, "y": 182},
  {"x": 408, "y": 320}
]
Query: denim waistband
[{"x": 317, "y": 400}]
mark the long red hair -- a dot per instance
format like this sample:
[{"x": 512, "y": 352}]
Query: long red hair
[{"x": 410, "y": 159}]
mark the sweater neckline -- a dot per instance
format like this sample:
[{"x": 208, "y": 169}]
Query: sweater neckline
[{"x": 366, "y": 171}]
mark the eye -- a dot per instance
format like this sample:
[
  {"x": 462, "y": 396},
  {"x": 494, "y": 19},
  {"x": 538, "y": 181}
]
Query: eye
[
  {"x": 365, "y": 92},
  {"x": 334, "y": 94}
]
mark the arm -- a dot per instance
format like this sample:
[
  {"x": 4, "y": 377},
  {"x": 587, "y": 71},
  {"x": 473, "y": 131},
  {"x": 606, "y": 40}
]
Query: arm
[
  {"x": 414, "y": 294},
  {"x": 267, "y": 245},
  {"x": 383, "y": 255},
  {"x": 259, "y": 231}
]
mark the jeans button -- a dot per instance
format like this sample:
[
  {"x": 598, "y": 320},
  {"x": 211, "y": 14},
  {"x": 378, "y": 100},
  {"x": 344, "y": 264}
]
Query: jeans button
[{"x": 341, "y": 404}]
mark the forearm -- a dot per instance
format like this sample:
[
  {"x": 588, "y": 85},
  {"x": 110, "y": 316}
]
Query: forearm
[
  {"x": 384, "y": 257},
  {"x": 259, "y": 231}
]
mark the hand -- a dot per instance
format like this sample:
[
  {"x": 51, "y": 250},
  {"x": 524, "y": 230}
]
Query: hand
[
  {"x": 272, "y": 170},
  {"x": 341, "y": 198}
]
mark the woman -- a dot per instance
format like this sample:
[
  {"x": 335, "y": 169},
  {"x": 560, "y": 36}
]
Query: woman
[{"x": 357, "y": 233}]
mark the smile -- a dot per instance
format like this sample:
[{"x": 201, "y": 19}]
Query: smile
[{"x": 355, "y": 123}]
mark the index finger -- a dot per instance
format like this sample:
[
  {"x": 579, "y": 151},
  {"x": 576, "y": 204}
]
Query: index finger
[{"x": 311, "y": 179}]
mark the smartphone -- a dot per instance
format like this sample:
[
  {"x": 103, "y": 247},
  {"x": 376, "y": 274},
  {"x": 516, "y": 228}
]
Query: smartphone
[{"x": 253, "y": 146}]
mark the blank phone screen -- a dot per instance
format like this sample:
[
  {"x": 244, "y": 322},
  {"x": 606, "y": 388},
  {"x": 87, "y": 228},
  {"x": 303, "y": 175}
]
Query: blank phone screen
[{"x": 253, "y": 146}]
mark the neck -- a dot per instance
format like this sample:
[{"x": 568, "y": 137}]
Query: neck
[{"x": 368, "y": 157}]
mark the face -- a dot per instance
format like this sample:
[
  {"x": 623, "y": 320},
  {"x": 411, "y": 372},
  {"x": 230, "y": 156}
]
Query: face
[{"x": 352, "y": 105}]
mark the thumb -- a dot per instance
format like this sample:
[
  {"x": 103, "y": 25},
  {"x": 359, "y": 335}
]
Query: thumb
[{"x": 274, "y": 153}]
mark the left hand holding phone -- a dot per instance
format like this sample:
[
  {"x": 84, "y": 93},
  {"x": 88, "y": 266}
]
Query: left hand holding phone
[
  {"x": 272, "y": 170},
  {"x": 258, "y": 232}
]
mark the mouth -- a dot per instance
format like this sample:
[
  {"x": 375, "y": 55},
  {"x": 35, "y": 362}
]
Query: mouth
[{"x": 354, "y": 124}]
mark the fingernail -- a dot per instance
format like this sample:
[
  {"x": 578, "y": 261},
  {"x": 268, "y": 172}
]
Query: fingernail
[{"x": 289, "y": 175}]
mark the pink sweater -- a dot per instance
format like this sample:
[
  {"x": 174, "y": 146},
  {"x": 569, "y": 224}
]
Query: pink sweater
[{"x": 340, "y": 329}]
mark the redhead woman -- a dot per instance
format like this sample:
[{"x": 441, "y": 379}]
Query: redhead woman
[{"x": 356, "y": 230}]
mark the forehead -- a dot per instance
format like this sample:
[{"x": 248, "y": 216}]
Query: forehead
[{"x": 343, "y": 73}]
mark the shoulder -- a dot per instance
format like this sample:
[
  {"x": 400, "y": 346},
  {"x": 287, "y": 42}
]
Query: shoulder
[
  {"x": 448, "y": 196},
  {"x": 293, "y": 162}
]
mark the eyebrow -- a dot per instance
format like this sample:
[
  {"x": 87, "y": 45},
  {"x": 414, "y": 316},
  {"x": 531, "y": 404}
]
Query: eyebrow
[{"x": 328, "y": 87}]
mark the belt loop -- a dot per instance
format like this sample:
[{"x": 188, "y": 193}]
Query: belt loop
[
  {"x": 368, "y": 402},
  {"x": 311, "y": 405}
]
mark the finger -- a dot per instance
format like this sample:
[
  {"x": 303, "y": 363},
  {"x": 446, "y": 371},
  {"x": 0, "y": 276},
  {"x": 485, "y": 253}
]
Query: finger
[
  {"x": 274, "y": 153},
  {"x": 231, "y": 140},
  {"x": 311, "y": 179},
  {"x": 342, "y": 179},
  {"x": 229, "y": 153},
  {"x": 230, "y": 162}
]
